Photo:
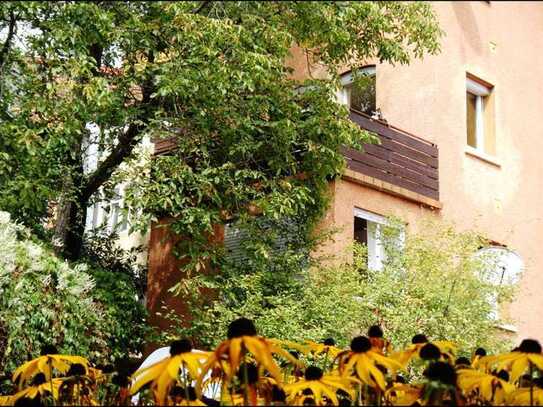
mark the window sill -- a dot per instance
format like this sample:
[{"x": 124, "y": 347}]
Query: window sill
[{"x": 482, "y": 156}]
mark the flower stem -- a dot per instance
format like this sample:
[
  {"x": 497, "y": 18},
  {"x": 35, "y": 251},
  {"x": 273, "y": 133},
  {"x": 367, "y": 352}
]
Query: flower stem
[
  {"x": 184, "y": 373},
  {"x": 531, "y": 384},
  {"x": 50, "y": 363},
  {"x": 246, "y": 384}
]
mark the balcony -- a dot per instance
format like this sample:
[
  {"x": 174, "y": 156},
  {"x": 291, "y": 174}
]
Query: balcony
[{"x": 402, "y": 164}]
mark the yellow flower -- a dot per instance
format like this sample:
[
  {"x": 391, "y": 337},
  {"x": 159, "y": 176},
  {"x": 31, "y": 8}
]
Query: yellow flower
[
  {"x": 39, "y": 387},
  {"x": 521, "y": 397},
  {"x": 492, "y": 389},
  {"x": 242, "y": 338},
  {"x": 378, "y": 343},
  {"x": 318, "y": 386},
  {"x": 165, "y": 373},
  {"x": 362, "y": 362},
  {"x": 44, "y": 364},
  {"x": 446, "y": 349},
  {"x": 401, "y": 394},
  {"x": 6, "y": 400},
  {"x": 518, "y": 361}
]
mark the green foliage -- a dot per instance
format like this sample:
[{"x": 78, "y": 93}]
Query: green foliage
[
  {"x": 432, "y": 285},
  {"x": 212, "y": 75},
  {"x": 435, "y": 285},
  {"x": 44, "y": 300}
]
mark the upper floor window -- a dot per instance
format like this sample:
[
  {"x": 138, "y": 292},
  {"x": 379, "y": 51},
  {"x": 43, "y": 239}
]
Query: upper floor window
[
  {"x": 480, "y": 117},
  {"x": 358, "y": 90}
]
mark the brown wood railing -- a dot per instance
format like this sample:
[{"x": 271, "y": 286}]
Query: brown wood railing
[{"x": 400, "y": 159}]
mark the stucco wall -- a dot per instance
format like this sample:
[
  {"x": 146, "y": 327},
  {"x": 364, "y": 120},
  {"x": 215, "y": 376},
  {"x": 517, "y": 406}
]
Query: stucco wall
[{"x": 498, "y": 42}]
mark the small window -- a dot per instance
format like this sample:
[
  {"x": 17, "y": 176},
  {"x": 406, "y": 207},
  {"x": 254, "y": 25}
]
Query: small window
[
  {"x": 359, "y": 90},
  {"x": 367, "y": 231},
  {"x": 480, "y": 117}
]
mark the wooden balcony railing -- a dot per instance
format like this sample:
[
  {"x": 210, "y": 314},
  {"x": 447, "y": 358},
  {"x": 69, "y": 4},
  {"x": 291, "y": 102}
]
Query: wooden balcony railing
[{"x": 401, "y": 159}]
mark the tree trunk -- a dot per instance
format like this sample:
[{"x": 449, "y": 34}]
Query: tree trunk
[{"x": 75, "y": 231}]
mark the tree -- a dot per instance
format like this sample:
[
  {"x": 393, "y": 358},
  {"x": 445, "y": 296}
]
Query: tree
[{"x": 211, "y": 75}]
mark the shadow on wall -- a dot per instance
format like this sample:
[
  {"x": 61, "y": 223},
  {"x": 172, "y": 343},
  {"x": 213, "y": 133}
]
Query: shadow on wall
[{"x": 466, "y": 20}]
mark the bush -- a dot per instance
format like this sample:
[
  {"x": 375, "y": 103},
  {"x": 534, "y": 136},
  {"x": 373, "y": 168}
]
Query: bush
[
  {"x": 44, "y": 300},
  {"x": 432, "y": 285}
]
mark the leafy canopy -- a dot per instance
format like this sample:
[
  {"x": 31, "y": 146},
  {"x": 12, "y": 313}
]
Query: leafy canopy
[{"x": 212, "y": 75}]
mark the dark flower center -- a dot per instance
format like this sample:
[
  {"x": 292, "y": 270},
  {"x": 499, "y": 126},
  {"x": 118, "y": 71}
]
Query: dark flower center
[
  {"x": 360, "y": 344},
  {"x": 313, "y": 373},
  {"x": 180, "y": 346},
  {"x": 538, "y": 382},
  {"x": 278, "y": 394},
  {"x": 419, "y": 338},
  {"x": 49, "y": 350},
  {"x": 503, "y": 374},
  {"x": 480, "y": 352},
  {"x": 38, "y": 379},
  {"x": 530, "y": 346},
  {"x": 77, "y": 369},
  {"x": 241, "y": 327},
  {"x": 252, "y": 373},
  {"x": 441, "y": 372},
  {"x": 375, "y": 331},
  {"x": 429, "y": 352},
  {"x": 462, "y": 361},
  {"x": 329, "y": 342}
]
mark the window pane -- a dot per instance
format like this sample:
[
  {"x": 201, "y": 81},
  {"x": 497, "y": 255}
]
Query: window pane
[
  {"x": 361, "y": 230},
  {"x": 362, "y": 94},
  {"x": 471, "y": 119}
]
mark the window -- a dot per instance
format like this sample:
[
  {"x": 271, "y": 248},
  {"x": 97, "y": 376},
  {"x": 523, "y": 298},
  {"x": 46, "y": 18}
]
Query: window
[
  {"x": 503, "y": 267},
  {"x": 359, "y": 91},
  {"x": 108, "y": 213},
  {"x": 367, "y": 231},
  {"x": 479, "y": 117}
]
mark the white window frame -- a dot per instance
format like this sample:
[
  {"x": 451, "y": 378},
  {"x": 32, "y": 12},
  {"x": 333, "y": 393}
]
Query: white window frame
[
  {"x": 480, "y": 92},
  {"x": 343, "y": 94},
  {"x": 376, "y": 250}
]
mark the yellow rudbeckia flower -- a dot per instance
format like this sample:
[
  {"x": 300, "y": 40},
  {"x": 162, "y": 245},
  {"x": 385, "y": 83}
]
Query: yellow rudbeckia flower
[
  {"x": 39, "y": 387},
  {"x": 318, "y": 386},
  {"x": 446, "y": 349},
  {"x": 361, "y": 362},
  {"x": 242, "y": 338},
  {"x": 165, "y": 373},
  {"x": 522, "y": 397},
  {"x": 517, "y": 362},
  {"x": 44, "y": 364},
  {"x": 490, "y": 388},
  {"x": 401, "y": 394}
]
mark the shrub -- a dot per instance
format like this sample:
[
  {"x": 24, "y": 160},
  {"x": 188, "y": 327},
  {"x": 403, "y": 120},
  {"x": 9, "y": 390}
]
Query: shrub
[
  {"x": 44, "y": 300},
  {"x": 433, "y": 284}
]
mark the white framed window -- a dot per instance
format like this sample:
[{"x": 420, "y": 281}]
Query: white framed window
[
  {"x": 368, "y": 230},
  {"x": 358, "y": 90},
  {"x": 502, "y": 267},
  {"x": 479, "y": 118}
]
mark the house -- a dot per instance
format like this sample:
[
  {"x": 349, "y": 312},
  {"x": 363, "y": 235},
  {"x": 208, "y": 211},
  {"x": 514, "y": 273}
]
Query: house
[{"x": 460, "y": 140}]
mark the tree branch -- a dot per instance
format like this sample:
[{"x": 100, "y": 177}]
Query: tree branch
[
  {"x": 9, "y": 38},
  {"x": 124, "y": 148}
]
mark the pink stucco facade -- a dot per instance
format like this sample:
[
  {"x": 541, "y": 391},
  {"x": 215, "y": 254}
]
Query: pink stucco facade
[{"x": 498, "y": 42}]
